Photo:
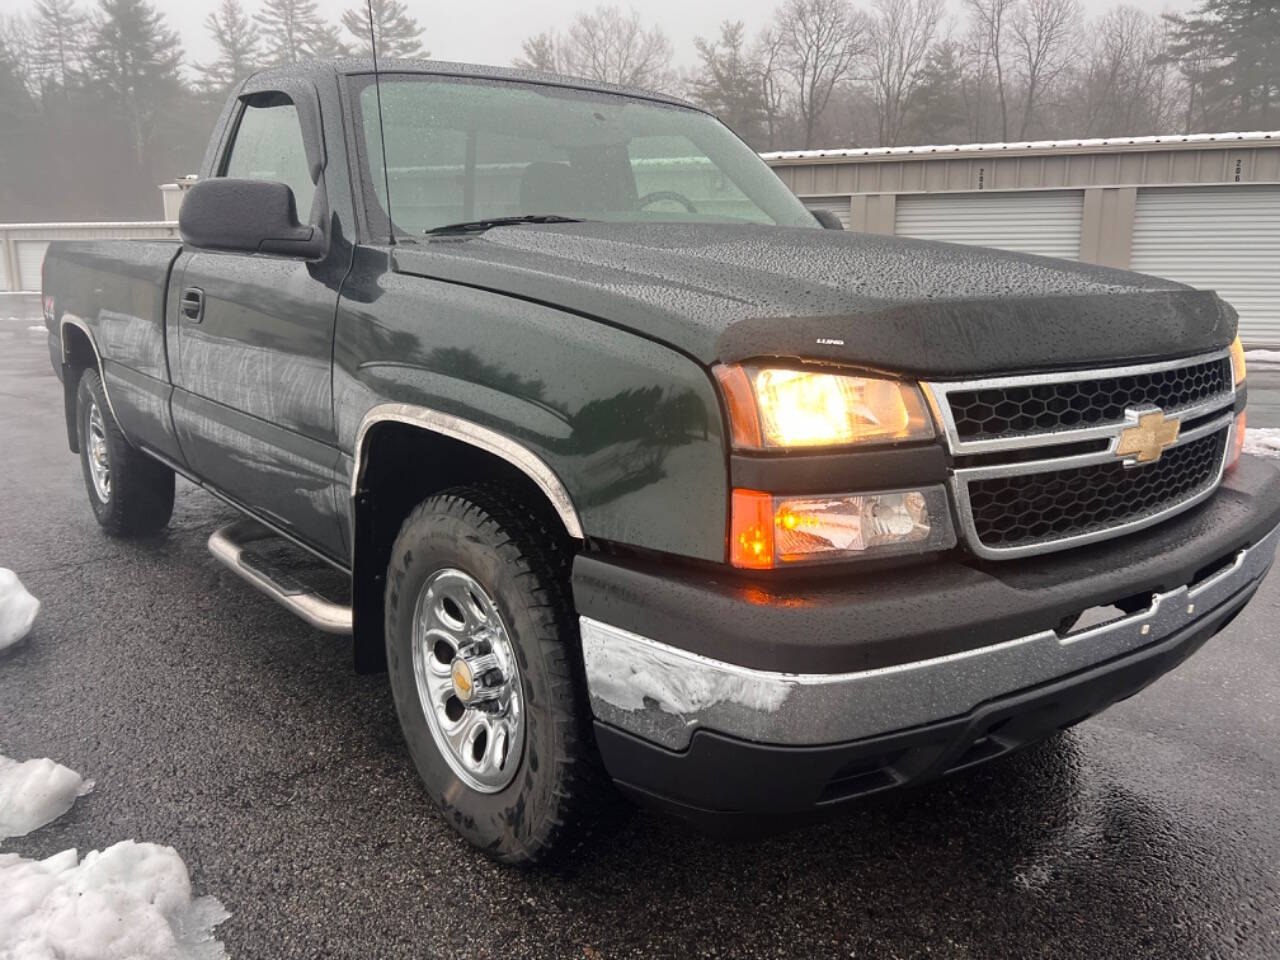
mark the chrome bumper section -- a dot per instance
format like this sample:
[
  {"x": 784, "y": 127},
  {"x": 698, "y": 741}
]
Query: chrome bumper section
[{"x": 662, "y": 693}]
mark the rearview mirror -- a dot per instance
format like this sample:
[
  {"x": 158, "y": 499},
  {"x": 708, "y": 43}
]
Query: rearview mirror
[
  {"x": 828, "y": 219},
  {"x": 249, "y": 216}
]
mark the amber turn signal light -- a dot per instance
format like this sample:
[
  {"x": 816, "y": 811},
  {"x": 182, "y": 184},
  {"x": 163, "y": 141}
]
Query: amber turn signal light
[
  {"x": 1237, "y": 361},
  {"x": 1237, "y": 440},
  {"x": 751, "y": 530}
]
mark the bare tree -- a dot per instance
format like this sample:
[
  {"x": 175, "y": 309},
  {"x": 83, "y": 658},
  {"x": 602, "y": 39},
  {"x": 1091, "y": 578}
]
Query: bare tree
[
  {"x": 1124, "y": 85},
  {"x": 990, "y": 28},
  {"x": 767, "y": 59},
  {"x": 607, "y": 45},
  {"x": 820, "y": 42},
  {"x": 1044, "y": 35},
  {"x": 898, "y": 40},
  {"x": 540, "y": 53}
]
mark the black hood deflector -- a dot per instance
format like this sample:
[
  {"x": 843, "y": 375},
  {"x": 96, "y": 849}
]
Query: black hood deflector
[{"x": 733, "y": 292}]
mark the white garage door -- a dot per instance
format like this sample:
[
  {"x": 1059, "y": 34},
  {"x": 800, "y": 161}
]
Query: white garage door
[
  {"x": 837, "y": 205},
  {"x": 1221, "y": 238},
  {"x": 1046, "y": 223},
  {"x": 30, "y": 260}
]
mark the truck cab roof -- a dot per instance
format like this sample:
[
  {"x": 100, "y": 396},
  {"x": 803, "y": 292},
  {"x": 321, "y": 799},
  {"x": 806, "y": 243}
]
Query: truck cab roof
[{"x": 355, "y": 66}]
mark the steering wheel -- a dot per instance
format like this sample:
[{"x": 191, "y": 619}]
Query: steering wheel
[{"x": 673, "y": 195}]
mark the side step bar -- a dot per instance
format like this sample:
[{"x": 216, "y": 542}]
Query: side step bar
[{"x": 228, "y": 545}]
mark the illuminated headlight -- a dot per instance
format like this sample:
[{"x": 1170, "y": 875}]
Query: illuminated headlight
[
  {"x": 774, "y": 408},
  {"x": 770, "y": 531}
]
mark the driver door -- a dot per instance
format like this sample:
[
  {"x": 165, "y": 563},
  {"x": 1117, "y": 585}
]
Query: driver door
[{"x": 253, "y": 402}]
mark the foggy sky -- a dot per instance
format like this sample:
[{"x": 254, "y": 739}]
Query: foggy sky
[{"x": 491, "y": 32}]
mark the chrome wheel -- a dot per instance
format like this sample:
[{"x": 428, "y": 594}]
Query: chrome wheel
[
  {"x": 99, "y": 459},
  {"x": 468, "y": 682}
]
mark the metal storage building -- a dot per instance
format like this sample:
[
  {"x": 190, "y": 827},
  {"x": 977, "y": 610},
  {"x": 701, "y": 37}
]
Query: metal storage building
[{"x": 1203, "y": 209}]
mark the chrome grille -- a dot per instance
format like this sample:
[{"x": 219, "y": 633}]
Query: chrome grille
[
  {"x": 1034, "y": 508},
  {"x": 1033, "y": 407},
  {"x": 1035, "y": 462}
]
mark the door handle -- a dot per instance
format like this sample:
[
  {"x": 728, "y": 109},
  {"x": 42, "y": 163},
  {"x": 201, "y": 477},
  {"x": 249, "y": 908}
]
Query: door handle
[{"x": 193, "y": 304}]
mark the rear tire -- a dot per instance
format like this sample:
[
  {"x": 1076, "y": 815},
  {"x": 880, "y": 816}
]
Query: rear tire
[
  {"x": 131, "y": 494},
  {"x": 529, "y": 787}
]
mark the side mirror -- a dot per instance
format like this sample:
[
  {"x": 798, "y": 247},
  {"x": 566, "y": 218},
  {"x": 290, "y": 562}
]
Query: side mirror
[
  {"x": 248, "y": 216},
  {"x": 828, "y": 219}
]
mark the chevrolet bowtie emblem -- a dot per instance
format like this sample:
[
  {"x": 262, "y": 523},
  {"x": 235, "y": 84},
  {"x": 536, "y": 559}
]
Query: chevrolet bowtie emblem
[{"x": 1145, "y": 440}]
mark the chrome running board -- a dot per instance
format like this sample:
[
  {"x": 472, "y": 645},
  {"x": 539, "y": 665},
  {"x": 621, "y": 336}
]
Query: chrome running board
[{"x": 229, "y": 545}]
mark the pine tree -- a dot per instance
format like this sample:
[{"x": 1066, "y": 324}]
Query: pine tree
[
  {"x": 60, "y": 33},
  {"x": 727, "y": 82},
  {"x": 292, "y": 31},
  {"x": 238, "y": 48},
  {"x": 541, "y": 52},
  {"x": 17, "y": 111},
  {"x": 397, "y": 33},
  {"x": 936, "y": 111},
  {"x": 1229, "y": 51},
  {"x": 133, "y": 62}
]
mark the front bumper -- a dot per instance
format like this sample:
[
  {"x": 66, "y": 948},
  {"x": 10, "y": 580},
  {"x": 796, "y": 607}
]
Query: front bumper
[{"x": 667, "y": 712}]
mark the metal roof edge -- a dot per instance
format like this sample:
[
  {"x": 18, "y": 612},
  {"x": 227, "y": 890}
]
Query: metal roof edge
[{"x": 1102, "y": 144}]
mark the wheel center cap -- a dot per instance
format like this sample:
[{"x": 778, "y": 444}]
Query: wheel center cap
[{"x": 464, "y": 685}]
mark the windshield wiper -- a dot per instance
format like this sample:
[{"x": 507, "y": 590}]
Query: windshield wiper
[{"x": 470, "y": 226}]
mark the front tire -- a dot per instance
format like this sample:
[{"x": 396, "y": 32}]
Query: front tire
[
  {"x": 131, "y": 494},
  {"x": 484, "y": 665}
]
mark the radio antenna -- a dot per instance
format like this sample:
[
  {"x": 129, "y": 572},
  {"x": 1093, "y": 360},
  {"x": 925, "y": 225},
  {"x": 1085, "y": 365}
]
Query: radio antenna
[{"x": 382, "y": 133}]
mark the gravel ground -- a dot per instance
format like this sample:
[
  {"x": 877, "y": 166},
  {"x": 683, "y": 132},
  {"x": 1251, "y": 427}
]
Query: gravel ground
[{"x": 213, "y": 721}]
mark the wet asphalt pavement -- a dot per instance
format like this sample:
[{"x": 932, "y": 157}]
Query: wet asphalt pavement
[{"x": 213, "y": 721}]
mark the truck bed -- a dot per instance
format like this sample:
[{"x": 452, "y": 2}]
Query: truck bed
[{"x": 110, "y": 297}]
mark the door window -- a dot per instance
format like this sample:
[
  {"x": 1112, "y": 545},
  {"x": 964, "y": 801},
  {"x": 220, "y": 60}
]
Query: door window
[{"x": 268, "y": 146}]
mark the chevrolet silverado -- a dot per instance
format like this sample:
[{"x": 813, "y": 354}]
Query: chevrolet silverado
[{"x": 637, "y": 476}]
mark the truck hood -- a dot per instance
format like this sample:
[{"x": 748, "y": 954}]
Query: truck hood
[{"x": 736, "y": 292}]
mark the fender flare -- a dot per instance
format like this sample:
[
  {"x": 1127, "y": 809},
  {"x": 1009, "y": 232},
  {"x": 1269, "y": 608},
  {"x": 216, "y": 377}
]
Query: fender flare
[
  {"x": 68, "y": 388},
  {"x": 483, "y": 438}
]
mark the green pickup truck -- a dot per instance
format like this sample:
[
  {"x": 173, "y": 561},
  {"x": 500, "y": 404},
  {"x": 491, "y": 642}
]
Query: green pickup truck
[{"x": 638, "y": 477}]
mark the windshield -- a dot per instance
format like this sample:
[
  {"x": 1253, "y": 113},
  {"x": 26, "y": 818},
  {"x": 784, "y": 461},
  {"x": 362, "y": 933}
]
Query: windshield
[{"x": 463, "y": 150}]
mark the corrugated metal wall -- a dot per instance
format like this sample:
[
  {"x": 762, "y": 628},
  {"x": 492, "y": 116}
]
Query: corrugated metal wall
[
  {"x": 1040, "y": 222},
  {"x": 1222, "y": 238}
]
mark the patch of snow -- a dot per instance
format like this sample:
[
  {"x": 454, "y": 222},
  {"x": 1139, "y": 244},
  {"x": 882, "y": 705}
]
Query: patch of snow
[
  {"x": 37, "y": 328},
  {"x": 131, "y": 901},
  {"x": 1262, "y": 441},
  {"x": 18, "y": 609},
  {"x": 1261, "y": 356},
  {"x": 34, "y": 793}
]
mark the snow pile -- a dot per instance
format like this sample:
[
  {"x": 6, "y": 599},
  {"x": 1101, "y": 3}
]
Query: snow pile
[
  {"x": 131, "y": 901},
  {"x": 35, "y": 793},
  {"x": 1262, "y": 441},
  {"x": 18, "y": 609}
]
